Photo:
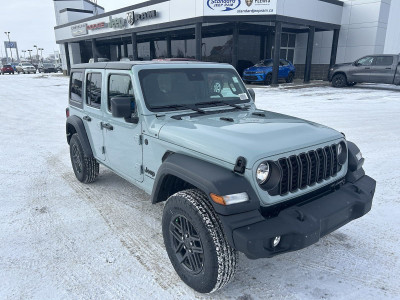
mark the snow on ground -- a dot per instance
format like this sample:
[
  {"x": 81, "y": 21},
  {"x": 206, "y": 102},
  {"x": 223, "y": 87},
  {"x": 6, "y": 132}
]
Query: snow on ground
[{"x": 60, "y": 239}]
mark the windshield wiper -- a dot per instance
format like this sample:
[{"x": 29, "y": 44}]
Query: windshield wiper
[
  {"x": 223, "y": 103},
  {"x": 180, "y": 106}
]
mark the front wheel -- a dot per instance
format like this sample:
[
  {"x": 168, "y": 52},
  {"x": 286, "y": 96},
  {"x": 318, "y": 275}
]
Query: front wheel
[
  {"x": 268, "y": 79},
  {"x": 195, "y": 242},
  {"x": 86, "y": 169},
  {"x": 339, "y": 80}
]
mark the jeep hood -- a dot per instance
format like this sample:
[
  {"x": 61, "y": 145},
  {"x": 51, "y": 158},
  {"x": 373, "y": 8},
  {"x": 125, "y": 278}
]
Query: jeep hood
[{"x": 250, "y": 136}]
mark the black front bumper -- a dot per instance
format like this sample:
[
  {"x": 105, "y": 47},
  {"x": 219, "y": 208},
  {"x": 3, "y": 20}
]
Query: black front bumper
[{"x": 303, "y": 224}]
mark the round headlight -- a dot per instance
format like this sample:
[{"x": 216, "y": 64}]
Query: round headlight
[
  {"x": 342, "y": 153},
  {"x": 262, "y": 173}
]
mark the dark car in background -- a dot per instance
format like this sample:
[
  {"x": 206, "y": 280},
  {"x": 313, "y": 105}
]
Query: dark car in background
[
  {"x": 262, "y": 71},
  {"x": 47, "y": 68},
  {"x": 381, "y": 68},
  {"x": 7, "y": 69}
]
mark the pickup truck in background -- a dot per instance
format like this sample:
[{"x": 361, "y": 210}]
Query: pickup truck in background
[{"x": 381, "y": 68}]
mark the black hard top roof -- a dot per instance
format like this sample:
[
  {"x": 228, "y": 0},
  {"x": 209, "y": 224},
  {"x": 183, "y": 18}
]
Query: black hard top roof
[{"x": 127, "y": 65}]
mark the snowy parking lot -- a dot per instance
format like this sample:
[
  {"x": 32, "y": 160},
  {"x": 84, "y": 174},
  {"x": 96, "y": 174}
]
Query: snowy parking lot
[{"x": 60, "y": 239}]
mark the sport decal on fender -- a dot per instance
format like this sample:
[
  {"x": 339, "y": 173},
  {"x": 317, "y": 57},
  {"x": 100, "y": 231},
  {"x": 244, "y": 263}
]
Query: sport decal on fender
[{"x": 223, "y": 5}]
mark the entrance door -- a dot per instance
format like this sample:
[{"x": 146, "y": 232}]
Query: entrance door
[
  {"x": 93, "y": 113},
  {"x": 122, "y": 143}
]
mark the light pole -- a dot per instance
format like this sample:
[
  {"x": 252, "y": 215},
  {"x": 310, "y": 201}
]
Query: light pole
[
  {"x": 24, "y": 51},
  {"x": 41, "y": 53},
  {"x": 30, "y": 54},
  {"x": 37, "y": 51},
  {"x": 7, "y": 33}
]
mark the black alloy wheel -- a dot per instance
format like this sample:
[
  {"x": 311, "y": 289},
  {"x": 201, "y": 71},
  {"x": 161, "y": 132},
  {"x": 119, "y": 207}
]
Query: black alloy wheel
[
  {"x": 268, "y": 79},
  {"x": 186, "y": 244},
  {"x": 339, "y": 80}
]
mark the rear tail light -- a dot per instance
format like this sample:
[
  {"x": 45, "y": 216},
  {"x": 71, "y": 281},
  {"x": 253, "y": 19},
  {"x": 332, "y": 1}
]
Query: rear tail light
[{"x": 67, "y": 112}]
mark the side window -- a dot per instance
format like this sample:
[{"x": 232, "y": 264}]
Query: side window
[
  {"x": 384, "y": 60},
  {"x": 119, "y": 85},
  {"x": 75, "y": 92},
  {"x": 366, "y": 61},
  {"x": 93, "y": 89},
  {"x": 284, "y": 62}
]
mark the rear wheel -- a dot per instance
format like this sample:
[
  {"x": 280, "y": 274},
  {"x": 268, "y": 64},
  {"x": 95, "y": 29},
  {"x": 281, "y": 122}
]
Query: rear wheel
[
  {"x": 268, "y": 79},
  {"x": 195, "y": 242},
  {"x": 290, "y": 77},
  {"x": 339, "y": 80},
  {"x": 86, "y": 169}
]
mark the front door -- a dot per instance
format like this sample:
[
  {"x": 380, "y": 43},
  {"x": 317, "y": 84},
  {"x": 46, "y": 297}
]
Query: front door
[
  {"x": 360, "y": 71},
  {"x": 122, "y": 139},
  {"x": 93, "y": 116},
  {"x": 383, "y": 69}
]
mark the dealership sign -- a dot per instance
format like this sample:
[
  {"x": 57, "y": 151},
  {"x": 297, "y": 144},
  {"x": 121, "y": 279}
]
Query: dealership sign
[
  {"x": 223, "y": 5},
  {"x": 113, "y": 23},
  {"x": 239, "y": 7},
  {"x": 80, "y": 29}
]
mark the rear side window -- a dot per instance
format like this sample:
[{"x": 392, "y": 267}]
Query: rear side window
[
  {"x": 93, "y": 90},
  {"x": 384, "y": 60},
  {"x": 119, "y": 85},
  {"x": 75, "y": 92}
]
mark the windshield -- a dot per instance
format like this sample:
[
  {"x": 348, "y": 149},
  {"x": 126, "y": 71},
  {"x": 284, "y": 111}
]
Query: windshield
[
  {"x": 26, "y": 65},
  {"x": 48, "y": 65},
  {"x": 167, "y": 89},
  {"x": 264, "y": 63}
]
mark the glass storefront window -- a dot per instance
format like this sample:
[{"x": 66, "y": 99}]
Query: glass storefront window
[
  {"x": 183, "y": 48},
  {"x": 217, "y": 49},
  {"x": 288, "y": 42}
]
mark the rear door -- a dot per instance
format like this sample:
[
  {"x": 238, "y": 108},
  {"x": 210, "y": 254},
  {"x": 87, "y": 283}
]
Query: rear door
[
  {"x": 383, "y": 69},
  {"x": 93, "y": 116},
  {"x": 122, "y": 139},
  {"x": 360, "y": 71}
]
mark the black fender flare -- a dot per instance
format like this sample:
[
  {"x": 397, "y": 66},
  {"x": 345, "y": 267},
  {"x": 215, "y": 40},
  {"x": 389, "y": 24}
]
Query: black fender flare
[
  {"x": 209, "y": 178},
  {"x": 79, "y": 127}
]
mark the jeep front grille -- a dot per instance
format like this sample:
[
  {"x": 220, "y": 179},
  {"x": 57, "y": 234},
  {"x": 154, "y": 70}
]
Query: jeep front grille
[{"x": 307, "y": 169}]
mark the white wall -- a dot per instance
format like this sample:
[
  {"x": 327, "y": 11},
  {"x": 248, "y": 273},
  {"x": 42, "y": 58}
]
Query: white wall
[
  {"x": 363, "y": 31},
  {"x": 77, "y": 4},
  {"x": 392, "y": 42}
]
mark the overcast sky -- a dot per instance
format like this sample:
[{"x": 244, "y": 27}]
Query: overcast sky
[{"x": 31, "y": 22}]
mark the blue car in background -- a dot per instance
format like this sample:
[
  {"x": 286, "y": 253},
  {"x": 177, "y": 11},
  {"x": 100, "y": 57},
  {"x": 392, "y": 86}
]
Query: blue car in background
[{"x": 262, "y": 72}]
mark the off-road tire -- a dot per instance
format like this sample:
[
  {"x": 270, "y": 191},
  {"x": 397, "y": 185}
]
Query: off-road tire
[
  {"x": 219, "y": 260},
  {"x": 290, "y": 78},
  {"x": 268, "y": 79},
  {"x": 86, "y": 169},
  {"x": 339, "y": 80}
]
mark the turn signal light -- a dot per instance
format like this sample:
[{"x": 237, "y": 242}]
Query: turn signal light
[{"x": 230, "y": 199}]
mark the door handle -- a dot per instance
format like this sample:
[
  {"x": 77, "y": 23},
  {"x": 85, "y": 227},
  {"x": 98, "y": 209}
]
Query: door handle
[
  {"x": 388, "y": 68},
  {"x": 87, "y": 118},
  {"x": 367, "y": 68},
  {"x": 107, "y": 126}
]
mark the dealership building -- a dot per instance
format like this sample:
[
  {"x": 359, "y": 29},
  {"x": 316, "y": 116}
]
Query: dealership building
[{"x": 313, "y": 34}]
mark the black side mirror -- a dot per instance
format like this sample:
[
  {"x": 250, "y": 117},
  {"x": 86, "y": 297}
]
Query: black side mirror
[
  {"x": 123, "y": 107},
  {"x": 252, "y": 94},
  {"x": 356, "y": 64}
]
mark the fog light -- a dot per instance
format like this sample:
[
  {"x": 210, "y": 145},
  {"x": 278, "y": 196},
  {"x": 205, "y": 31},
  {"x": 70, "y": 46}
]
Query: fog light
[{"x": 276, "y": 241}]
